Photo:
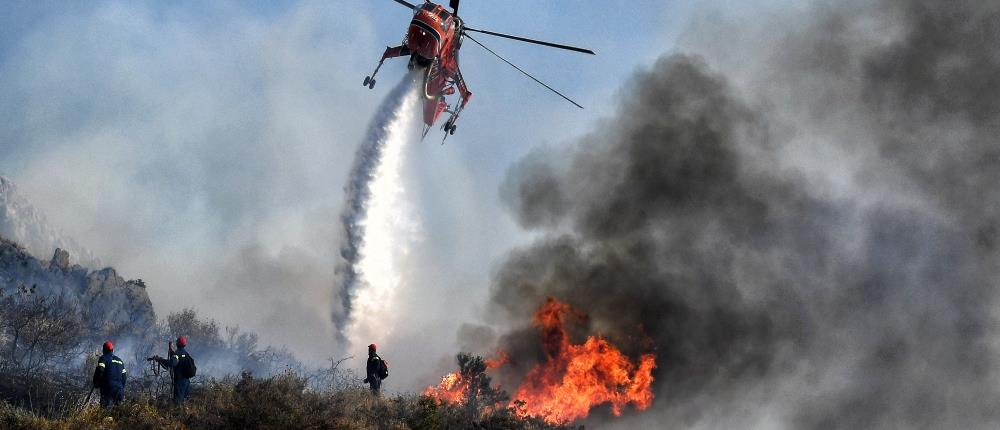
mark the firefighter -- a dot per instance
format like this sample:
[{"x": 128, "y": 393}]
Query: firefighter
[
  {"x": 181, "y": 367},
  {"x": 376, "y": 370},
  {"x": 110, "y": 376}
]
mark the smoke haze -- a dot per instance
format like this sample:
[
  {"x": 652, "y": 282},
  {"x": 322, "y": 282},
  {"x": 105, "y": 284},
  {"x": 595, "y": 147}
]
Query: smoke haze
[
  {"x": 203, "y": 149},
  {"x": 206, "y": 148},
  {"x": 800, "y": 223}
]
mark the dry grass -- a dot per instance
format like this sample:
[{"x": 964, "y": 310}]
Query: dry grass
[{"x": 279, "y": 402}]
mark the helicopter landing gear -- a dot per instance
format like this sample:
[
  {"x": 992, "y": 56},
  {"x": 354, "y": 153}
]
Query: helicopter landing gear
[
  {"x": 390, "y": 52},
  {"x": 449, "y": 128}
]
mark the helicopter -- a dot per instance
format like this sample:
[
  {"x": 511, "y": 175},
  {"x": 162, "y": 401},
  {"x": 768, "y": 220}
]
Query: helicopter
[{"x": 433, "y": 40}]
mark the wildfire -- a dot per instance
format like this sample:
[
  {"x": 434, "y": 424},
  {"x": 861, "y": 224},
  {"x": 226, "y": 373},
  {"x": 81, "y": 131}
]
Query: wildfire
[
  {"x": 452, "y": 388},
  {"x": 573, "y": 379},
  {"x": 501, "y": 359},
  {"x": 455, "y": 387}
]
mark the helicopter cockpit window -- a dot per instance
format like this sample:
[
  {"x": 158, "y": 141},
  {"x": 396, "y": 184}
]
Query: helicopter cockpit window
[{"x": 443, "y": 14}]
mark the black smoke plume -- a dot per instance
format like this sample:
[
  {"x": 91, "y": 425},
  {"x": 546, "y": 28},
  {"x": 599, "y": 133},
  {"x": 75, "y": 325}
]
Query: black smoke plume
[
  {"x": 816, "y": 251},
  {"x": 357, "y": 193}
]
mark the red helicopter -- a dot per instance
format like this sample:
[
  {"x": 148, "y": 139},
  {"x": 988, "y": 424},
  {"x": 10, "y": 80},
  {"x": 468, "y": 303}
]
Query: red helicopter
[{"x": 432, "y": 42}]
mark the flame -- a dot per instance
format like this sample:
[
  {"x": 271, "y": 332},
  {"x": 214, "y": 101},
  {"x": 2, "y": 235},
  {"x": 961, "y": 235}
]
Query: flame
[
  {"x": 573, "y": 379},
  {"x": 453, "y": 388},
  {"x": 501, "y": 359}
]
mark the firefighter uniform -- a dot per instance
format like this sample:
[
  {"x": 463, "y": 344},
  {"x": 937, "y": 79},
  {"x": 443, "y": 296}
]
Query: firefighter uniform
[
  {"x": 109, "y": 377},
  {"x": 372, "y": 376},
  {"x": 181, "y": 384}
]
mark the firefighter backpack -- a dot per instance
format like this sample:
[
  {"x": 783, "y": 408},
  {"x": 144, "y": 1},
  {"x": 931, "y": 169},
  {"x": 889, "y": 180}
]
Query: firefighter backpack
[
  {"x": 186, "y": 366},
  {"x": 383, "y": 368}
]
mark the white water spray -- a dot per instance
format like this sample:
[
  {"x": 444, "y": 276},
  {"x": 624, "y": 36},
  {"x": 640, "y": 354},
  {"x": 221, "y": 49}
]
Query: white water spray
[{"x": 378, "y": 221}]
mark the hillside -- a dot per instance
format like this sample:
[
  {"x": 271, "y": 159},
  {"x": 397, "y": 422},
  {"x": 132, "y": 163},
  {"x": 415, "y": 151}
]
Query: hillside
[{"x": 104, "y": 301}]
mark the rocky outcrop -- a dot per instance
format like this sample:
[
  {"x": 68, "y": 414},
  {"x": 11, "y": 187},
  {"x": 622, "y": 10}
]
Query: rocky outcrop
[
  {"x": 60, "y": 259},
  {"x": 105, "y": 301},
  {"x": 22, "y": 223}
]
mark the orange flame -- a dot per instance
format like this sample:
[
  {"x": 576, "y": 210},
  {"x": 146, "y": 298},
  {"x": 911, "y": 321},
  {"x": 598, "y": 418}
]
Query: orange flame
[
  {"x": 454, "y": 387},
  {"x": 573, "y": 379},
  {"x": 451, "y": 389},
  {"x": 501, "y": 359}
]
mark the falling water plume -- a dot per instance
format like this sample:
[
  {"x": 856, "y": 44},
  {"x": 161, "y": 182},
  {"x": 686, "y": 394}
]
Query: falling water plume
[{"x": 377, "y": 157}]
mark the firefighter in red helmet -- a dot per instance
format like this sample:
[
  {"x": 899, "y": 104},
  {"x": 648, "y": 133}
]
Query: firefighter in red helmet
[
  {"x": 182, "y": 368},
  {"x": 110, "y": 376},
  {"x": 376, "y": 370}
]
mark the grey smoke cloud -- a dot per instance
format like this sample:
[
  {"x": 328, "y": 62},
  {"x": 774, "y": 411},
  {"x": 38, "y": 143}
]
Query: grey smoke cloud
[{"x": 805, "y": 231}]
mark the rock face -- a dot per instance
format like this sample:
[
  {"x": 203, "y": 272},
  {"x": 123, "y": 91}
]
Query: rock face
[
  {"x": 22, "y": 223},
  {"x": 106, "y": 302}
]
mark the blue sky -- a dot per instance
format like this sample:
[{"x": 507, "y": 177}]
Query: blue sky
[{"x": 626, "y": 34}]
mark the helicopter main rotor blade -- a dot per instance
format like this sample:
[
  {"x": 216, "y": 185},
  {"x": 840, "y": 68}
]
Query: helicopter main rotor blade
[
  {"x": 522, "y": 71},
  {"x": 406, "y": 3},
  {"x": 525, "y": 39}
]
